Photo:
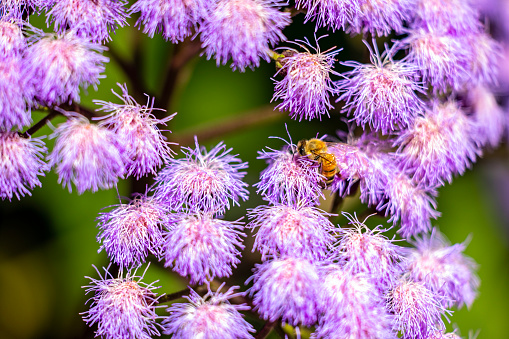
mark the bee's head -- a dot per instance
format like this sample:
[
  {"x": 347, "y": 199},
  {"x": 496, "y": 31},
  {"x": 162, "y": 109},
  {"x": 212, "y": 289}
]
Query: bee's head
[{"x": 301, "y": 146}]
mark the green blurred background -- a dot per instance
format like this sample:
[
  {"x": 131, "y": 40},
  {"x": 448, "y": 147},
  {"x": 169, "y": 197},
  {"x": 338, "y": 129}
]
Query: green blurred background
[{"x": 47, "y": 241}]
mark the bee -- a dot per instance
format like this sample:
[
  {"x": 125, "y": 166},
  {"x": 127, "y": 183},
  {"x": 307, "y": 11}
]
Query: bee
[{"x": 316, "y": 149}]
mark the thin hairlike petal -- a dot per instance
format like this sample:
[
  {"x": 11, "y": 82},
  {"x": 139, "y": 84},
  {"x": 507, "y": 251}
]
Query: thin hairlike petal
[
  {"x": 242, "y": 30},
  {"x": 294, "y": 230},
  {"x": 382, "y": 95},
  {"x": 87, "y": 155},
  {"x": 289, "y": 179},
  {"x": 130, "y": 231},
  {"x": 352, "y": 307},
  {"x": 444, "y": 269},
  {"x": 333, "y": 14},
  {"x": 306, "y": 85},
  {"x": 175, "y": 19},
  {"x": 56, "y": 66},
  {"x": 136, "y": 128},
  {"x": 123, "y": 307},
  {"x": 20, "y": 164},
  {"x": 12, "y": 41},
  {"x": 91, "y": 19},
  {"x": 287, "y": 288},
  {"x": 417, "y": 310},
  {"x": 210, "y": 316},
  {"x": 201, "y": 247},
  {"x": 14, "y": 94},
  {"x": 207, "y": 181},
  {"x": 452, "y": 16},
  {"x": 17, "y": 8}
]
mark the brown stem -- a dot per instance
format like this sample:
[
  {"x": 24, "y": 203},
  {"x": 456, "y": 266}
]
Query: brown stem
[
  {"x": 40, "y": 124},
  {"x": 172, "y": 296},
  {"x": 266, "y": 329},
  {"x": 131, "y": 70}
]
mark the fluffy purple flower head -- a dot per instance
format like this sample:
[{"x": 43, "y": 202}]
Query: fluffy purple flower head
[
  {"x": 332, "y": 14},
  {"x": 293, "y": 230},
  {"x": 287, "y": 288},
  {"x": 20, "y": 164},
  {"x": 130, "y": 231},
  {"x": 289, "y": 179},
  {"x": 441, "y": 143},
  {"x": 87, "y": 155},
  {"x": 383, "y": 94},
  {"x": 123, "y": 307},
  {"x": 442, "y": 59},
  {"x": 417, "y": 310},
  {"x": 93, "y": 19},
  {"x": 17, "y": 8},
  {"x": 200, "y": 247},
  {"x": 242, "y": 30},
  {"x": 202, "y": 181},
  {"x": 489, "y": 117},
  {"x": 14, "y": 94},
  {"x": 413, "y": 205},
  {"x": 352, "y": 307},
  {"x": 444, "y": 269},
  {"x": 306, "y": 85},
  {"x": 451, "y": 16},
  {"x": 12, "y": 41},
  {"x": 174, "y": 18},
  {"x": 362, "y": 250},
  {"x": 136, "y": 128},
  {"x": 484, "y": 58},
  {"x": 210, "y": 316},
  {"x": 380, "y": 17},
  {"x": 57, "y": 65}
]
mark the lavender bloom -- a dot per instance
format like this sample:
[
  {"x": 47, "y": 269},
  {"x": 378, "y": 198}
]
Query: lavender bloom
[
  {"x": 57, "y": 65},
  {"x": 333, "y": 14},
  {"x": 242, "y": 30},
  {"x": 210, "y": 316},
  {"x": 352, "y": 307},
  {"x": 306, "y": 86},
  {"x": 294, "y": 230},
  {"x": 452, "y": 16},
  {"x": 135, "y": 126},
  {"x": 12, "y": 41},
  {"x": 444, "y": 269},
  {"x": 20, "y": 164},
  {"x": 88, "y": 155},
  {"x": 417, "y": 310},
  {"x": 362, "y": 250},
  {"x": 122, "y": 307},
  {"x": 202, "y": 181},
  {"x": 91, "y": 19},
  {"x": 289, "y": 179},
  {"x": 130, "y": 231},
  {"x": 16, "y": 8},
  {"x": 381, "y": 95},
  {"x": 484, "y": 56},
  {"x": 174, "y": 18},
  {"x": 438, "y": 145},
  {"x": 442, "y": 59},
  {"x": 287, "y": 288},
  {"x": 14, "y": 111},
  {"x": 201, "y": 247}
]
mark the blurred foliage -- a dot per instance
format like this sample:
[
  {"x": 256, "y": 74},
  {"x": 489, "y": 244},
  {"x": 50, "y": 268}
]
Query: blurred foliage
[{"x": 48, "y": 241}]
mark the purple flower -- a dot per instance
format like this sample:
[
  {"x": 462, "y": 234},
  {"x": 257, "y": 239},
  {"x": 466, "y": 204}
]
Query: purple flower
[
  {"x": 210, "y": 316},
  {"x": 439, "y": 144},
  {"x": 57, "y": 65},
  {"x": 352, "y": 307},
  {"x": 12, "y": 41},
  {"x": 135, "y": 126},
  {"x": 417, "y": 310},
  {"x": 123, "y": 308},
  {"x": 444, "y": 269},
  {"x": 88, "y": 155},
  {"x": 202, "y": 181},
  {"x": 201, "y": 247},
  {"x": 452, "y": 16},
  {"x": 294, "y": 230},
  {"x": 242, "y": 30},
  {"x": 130, "y": 231},
  {"x": 16, "y": 8},
  {"x": 174, "y": 18},
  {"x": 362, "y": 250},
  {"x": 382, "y": 95},
  {"x": 333, "y": 14},
  {"x": 20, "y": 164},
  {"x": 14, "y": 94},
  {"x": 91, "y": 19},
  {"x": 287, "y": 288},
  {"x": 289, "y": 179},
  {"x": 306, "y": 86},
  {"x": 484, "y": 57}
]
